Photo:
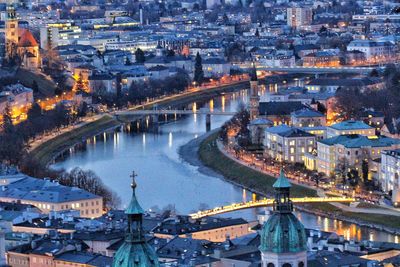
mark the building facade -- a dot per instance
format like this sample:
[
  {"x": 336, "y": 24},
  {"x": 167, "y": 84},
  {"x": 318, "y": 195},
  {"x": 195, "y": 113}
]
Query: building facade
[
  {"x": 285, "y": 143},
  {"x": 299, "y": 16}
]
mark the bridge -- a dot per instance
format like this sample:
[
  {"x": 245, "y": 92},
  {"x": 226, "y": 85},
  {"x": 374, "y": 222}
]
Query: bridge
[
  {"x": 264, "y": 203},
  {"x": 155, "y": 113},
  {"x": 143, "y": 112},
  {"x": 310, "y": 70}
]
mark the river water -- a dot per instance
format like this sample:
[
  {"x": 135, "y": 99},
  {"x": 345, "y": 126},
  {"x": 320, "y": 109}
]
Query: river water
[{"x": 165, "y": 180}]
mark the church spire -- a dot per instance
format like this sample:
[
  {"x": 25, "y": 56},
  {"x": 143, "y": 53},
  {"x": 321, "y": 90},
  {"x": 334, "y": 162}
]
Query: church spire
[
  {"x": 253, "y": 73},
  {"x": 135, "y": 216},
  {"x": 135, "y": 251},
  {"x": 282, "y": 202},
  {"x": 134, "y": 206},
  {"x": 11, "y": 13}
]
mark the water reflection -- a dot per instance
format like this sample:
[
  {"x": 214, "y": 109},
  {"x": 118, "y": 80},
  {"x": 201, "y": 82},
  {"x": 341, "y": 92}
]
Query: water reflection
[{"x": 165, "y": 179}]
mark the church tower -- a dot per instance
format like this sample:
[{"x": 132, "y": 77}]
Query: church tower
[
  {"x": 283, "y": 238},
  {"x": 11, "y": 34},
  {"x": 135, "y": 251},
  {"x": 254, "y": 97}
]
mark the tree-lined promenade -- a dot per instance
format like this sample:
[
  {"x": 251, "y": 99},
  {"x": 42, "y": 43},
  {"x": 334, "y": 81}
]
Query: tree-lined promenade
[{"x": 260, "y": 182}]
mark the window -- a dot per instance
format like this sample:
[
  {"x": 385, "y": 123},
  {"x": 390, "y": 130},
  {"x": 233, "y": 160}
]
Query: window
[
  {"x": 301, "y": 264},
  {"x": 287, "y": 265},
  {"x": 270, "y": 265}
]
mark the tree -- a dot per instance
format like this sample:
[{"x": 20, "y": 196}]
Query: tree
[
  {"x": 374, "y": 73},
  {"x": 198, "y": 70},
  {"x": 139, "y": 55},
  {"x": 12, "y": 146},
  {"x": 365, "y": 171},
  {"x": 257, "y": 34},
  {"x": 170, "y": 53},
  {"x": 89, "y": 181},
  {"x": 35, "y": 87},
  {"x": 35, "y": 111},
  {"x": 341, "y": 171}
]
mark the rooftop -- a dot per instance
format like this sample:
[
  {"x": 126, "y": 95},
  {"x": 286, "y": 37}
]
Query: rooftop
[
  {"x": 29, "y": 188},
  {"x": 351, "y": 125},
  {"x": 358, "y": 141}
]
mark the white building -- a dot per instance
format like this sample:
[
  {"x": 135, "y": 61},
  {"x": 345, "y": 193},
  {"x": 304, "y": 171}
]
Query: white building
[
  {"x": 351, "y": 150},
  {"x": 216, "y": 67},
  {"x": 350, "y": 127},
  {"x": 299, "y": 16},
  {"x": 132, "y": 46},
  {"x": 285, "y": 143},
  {"x": 278, "y": 61},
  {"x": 375, "y": 51},
  {"x": 54, "y": 35},
  {"x": 390, "y": 170}
]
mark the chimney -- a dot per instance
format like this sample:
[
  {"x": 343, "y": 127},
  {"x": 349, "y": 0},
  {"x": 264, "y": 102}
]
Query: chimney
[{"x": 33, "y": 244}]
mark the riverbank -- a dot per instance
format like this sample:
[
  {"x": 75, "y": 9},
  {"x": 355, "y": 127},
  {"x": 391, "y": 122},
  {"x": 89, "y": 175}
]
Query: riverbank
[
  {"x": 213, "y": 159},
  {"x": 51, "y": 148}
]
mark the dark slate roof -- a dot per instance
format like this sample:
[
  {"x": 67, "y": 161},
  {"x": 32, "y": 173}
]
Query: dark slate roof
[
  {"x": 75, "y": 47},
  {"x": 307, "y": 113},
  {"x": 214, "y": 60},
  {"x": 101, "y": 77},
  {"x": 54, "y": 224},
  {"x": 280, "y": 108},
  {"x": 298, "y": 48},
  {"x": 85, "y": 258},
  {"x": 157, "y": 68},
  {"x": 182, "y": 225},
  {"x": 100, "y": 235},
  {"x": 287, "y": 131},
  {"x": 334, "y": 259}
]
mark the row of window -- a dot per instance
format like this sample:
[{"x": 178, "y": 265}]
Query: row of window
[{"x": 86, "y": 212}]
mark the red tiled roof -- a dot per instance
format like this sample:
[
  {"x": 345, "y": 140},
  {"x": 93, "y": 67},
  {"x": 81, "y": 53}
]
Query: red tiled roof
[{"x": 26, "y": 39}]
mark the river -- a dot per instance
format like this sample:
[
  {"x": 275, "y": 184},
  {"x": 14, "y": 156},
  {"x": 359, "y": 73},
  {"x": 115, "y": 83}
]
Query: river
[{"x": 166, "y": 180}]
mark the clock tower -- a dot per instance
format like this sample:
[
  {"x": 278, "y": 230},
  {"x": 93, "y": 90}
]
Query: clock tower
[
  {"x": 254, "y": 97},
  {"x": 11, "y": 32}
]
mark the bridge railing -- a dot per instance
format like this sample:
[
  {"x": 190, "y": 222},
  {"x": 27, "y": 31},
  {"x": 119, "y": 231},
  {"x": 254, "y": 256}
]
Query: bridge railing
[{"x": 264, "y": 203}]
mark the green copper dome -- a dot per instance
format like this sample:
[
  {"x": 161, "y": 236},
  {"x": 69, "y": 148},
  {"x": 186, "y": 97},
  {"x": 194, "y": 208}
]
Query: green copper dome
[
  {"x": 283, "y": 232},
  {"x": 135, "y": 255},
  {"x": 282, "y": 181},
  {"x": 135, "y": 252}
]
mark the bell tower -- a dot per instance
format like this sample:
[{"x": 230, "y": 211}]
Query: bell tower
[
  {"x": 283, "y": 238},
  {"x": 11, "y": 32},
  {"x": 254, "y": 97}
]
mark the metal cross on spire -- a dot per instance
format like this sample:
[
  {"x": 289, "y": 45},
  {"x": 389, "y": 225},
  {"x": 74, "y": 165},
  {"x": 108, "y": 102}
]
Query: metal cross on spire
[{"x": 133, "y": 175}]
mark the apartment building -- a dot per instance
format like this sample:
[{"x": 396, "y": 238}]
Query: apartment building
[
  {"x": 299, "y": 16},
  {"x": 51, "y": 196},
  {"x": 350, "y": 127},
  {"x": 285, "y": 143},
  {"x": 351, "y": 150}
]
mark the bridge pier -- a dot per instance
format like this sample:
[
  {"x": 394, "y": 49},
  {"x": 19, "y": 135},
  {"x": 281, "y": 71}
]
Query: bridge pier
[{"x": 208, "y": 122}]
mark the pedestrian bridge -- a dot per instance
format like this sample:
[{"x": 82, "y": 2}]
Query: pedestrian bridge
[
  {"x": 264, "y": 203},
  {"x": 172, "y": 112},
  {"x": 311, "y": 70}
]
